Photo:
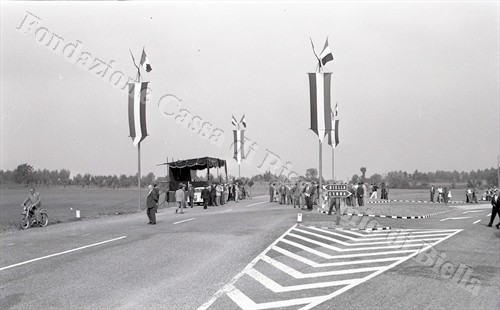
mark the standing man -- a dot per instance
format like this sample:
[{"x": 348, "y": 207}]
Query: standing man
[
  {"x": 433, "y": 192},
  {"x": 190, "y": 193},
  {"x": 213, "y": 195},
  {"x": 179, "y": 198},
  {"x": 157, "y": 190},
  {"x": 205, "y": 195},
  {"x": 289, "y": 194},
  {"x": 271, "y": 192},
  {"x": 374, "y": 192},
  {"x": 360, "y": 193},
  {"x": 282, "y": 193},
  {"x": 495, "y": 202},
  {"x": 152, "y": 204},
  {"x": 308, "y": 194}
]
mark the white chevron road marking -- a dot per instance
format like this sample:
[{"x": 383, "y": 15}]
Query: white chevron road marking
[
  {"x": 331, "y": 247},
  {"x": 344, "y": 263},
  {"x": 328, "y": 256},
  {"x": 299, "y": 275},
  {"x": 277, "y": 288},
  {"x": 348, "y": 287},
  {"x": 351, "y": 266},
  {"x": 246, "y": 303},
  {"x": 396, "y": 240}
]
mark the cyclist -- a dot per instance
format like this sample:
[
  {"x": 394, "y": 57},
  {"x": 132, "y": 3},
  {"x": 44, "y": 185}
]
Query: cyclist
[{"x": 35, "y": 203}]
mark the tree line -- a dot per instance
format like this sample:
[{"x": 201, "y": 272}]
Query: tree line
[
  {"x": 406, "y": 180},
  {"x": 27, "y": 175}
]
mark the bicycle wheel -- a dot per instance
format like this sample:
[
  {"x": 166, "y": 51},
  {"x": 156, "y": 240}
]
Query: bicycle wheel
[{"x": 45, "y": 219}]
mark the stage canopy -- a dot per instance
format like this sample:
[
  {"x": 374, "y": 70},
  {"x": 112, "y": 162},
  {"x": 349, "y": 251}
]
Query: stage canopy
[{"x": 180, "y": 171}]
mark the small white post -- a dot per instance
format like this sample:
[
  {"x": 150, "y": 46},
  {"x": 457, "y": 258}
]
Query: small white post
[
  {"x": 299, "y": 218},
  {"x": 77, "y": 214}
]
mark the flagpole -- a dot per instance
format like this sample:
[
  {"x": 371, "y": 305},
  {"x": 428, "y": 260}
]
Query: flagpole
[
  {"x": 139, "y": 172},
  {"x": 333, "y": 164},
  {"x": 320, "y": 199}
]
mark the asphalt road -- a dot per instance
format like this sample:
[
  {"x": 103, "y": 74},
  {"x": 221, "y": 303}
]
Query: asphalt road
[{"x": 247, "y": 254}]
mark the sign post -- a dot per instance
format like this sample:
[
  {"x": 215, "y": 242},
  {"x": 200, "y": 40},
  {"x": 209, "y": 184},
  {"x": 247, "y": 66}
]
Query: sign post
[{"x": 335, "y": 192}]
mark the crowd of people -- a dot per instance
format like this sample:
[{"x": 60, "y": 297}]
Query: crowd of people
[
  {"x": 214, "y": 194},
  {"x": 443, "y": 194},
  {"x": 304, "y": 194}
]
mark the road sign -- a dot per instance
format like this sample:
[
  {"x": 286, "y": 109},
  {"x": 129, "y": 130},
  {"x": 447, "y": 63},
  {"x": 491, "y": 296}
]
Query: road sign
[
  {"x": 338, "y": 194},
  {"x": 336, "y": 187}
]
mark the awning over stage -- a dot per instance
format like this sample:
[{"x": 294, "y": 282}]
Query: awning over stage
[{"x": 180, "y": 171}]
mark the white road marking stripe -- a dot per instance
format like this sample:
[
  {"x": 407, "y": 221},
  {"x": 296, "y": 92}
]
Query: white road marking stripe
[
  {"x": 348, "y": 287},
  {"x": 455, "y": 218},
  {"x": 61, "y": 253},
  {"x": 299, "y": 275},
  {"x": 331, "y": 247},
  {"x": 86, "y": 235},
  {"x": 246, "y": 303},
  {"x": 278, "y": 288},
  {"x": 319, "y": 265},
  {"x": 488, "y": 215},
  {"x": 476, "y": 222},
  {"x": 472, "y": 211},
  {"x": 327, "y": 256},
  {"x": 257, "y": 203},
  {"x": 10, "y": 244},
  {"x": 395, "y": 240},
  {"x": 228, "y": 288},
  {"x": 227, "y": 210},
  {"x": 184, "y": 221},
  {"x": 387, "y": 235}
]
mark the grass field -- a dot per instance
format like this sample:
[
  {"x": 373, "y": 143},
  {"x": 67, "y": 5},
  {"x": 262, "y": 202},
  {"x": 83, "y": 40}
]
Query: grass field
[{"x": 62, "y": 203}]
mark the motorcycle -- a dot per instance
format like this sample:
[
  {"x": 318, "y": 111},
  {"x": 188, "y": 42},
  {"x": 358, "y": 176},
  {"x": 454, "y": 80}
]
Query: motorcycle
[{"x": 29, "y": 218}]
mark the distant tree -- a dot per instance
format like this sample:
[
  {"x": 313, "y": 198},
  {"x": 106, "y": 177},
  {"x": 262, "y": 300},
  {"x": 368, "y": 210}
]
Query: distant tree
[
  {"x": 124, "y": 181},
  {"x": 148, "y": 179},
  {"x": 312, "y": 174},
  {"x": 375, "y": 178},
  {"x": 24, "y": 174},
  {"x": 355, "y": 178},
  {"x": 363, "y": 174}
]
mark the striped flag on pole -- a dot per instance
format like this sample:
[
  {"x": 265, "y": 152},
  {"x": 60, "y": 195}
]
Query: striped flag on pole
[
  {"x": 243, "y": 121},
  {"x": 137, "y": 111},
  {"x": 145, "y": 61},
  {"x": 239, "y": 143},
  {"x": 334, "y": 133},
  {"x": 234, "y": 121},
  {"x": 320, "y": 94},
  {"x": 326, "y": 55}
]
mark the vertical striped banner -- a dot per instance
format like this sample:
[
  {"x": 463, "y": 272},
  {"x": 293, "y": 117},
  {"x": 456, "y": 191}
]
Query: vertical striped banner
[
  {"x": 320, "y": 97},
  {"x": 137, "y": 111},
  {"x": 334, "y": 134},
  {"x": 239, "y": 142}
]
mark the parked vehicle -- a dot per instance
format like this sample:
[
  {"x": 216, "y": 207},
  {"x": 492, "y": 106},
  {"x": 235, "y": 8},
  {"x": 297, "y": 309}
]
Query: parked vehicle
[{"x": 197, "y": 195}]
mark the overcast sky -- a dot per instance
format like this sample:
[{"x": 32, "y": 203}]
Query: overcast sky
[{"x": 417, "y": 84}]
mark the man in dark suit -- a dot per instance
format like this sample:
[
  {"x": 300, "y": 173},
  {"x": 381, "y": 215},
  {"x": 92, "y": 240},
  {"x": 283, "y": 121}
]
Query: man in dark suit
[
  {"x": 205, "y": 195},
  {"x": 152, "y": 204},
  {"x": 495, "y": 202},
  {"x": 309, "y": 191},
  {"x": 360, "y": 193}
]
